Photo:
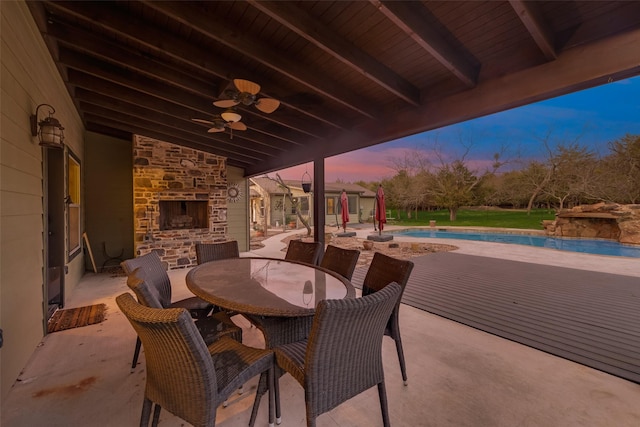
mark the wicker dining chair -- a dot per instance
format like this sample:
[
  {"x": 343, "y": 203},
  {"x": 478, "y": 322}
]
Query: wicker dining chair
[
  {"x": 211, "y": 327},
  {"x": 382, "y": 271},
  {"x": 184, "y": 376},
  {"x": 206, "y": 252},
  {"x": 341, "y": 261},
  {"x": 308, "y": 252},
  {"x": 336, "y": 362},
  {"x": 149, "y": 268},
  {"x": 154, "y": 272}
]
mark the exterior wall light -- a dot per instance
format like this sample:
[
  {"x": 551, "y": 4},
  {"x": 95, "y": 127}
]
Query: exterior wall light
[{"x": 49, "y": 130}]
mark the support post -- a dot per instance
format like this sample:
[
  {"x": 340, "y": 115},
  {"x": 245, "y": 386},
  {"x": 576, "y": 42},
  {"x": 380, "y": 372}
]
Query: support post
[{"x": 318, "y": 201}]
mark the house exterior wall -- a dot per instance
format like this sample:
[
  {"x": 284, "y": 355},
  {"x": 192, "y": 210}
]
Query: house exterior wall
[
  {"x": 366, "y": 207},
  {"x": 109, "y": 200},
  {"x": 278, "y": 209},
  {"x": 282, "y": 210},
  {"x": 360, "y": 212},
  {"x": 238, "y": 211},
  {"x": 28, "y": 78}
]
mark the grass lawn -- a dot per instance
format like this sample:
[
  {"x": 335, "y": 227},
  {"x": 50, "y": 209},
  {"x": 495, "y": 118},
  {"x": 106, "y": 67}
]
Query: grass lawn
[{"x": 504, "y": 218}]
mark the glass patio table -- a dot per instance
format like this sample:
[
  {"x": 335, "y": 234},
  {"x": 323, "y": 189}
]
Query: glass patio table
[{"x": 267, "y": 286}]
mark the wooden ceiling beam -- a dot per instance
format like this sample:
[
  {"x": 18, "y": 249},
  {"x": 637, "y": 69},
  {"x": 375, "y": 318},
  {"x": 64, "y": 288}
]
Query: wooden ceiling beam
[
  {"x": 159, "y": 89},
  {"x": 216, "y": 29},
  {"x": 94, "y": 84},
  {"x": 172, "y": 131},
  {"x": 136, "y": 128},
  {"x": 110, "y": 18},
  {"x": 90, "y": 44},
  {"x": 199, "y": 106},
  {"x": 307, "y": 27},
  {"x": 626, "y": 19},
  {"x": 94, "y": 103},
  {"x": 533, "y": 20},
  {"x": 408, "y": 17}
]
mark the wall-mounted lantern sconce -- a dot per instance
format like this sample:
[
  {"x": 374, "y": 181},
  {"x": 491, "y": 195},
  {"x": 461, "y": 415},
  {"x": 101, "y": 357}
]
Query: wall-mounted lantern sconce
[{"x": 48, "y": 130}]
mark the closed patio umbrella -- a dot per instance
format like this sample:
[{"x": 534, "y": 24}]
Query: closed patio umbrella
[
  {"x": 344, "y": 204},
  {"x": 381, "y": 212}
]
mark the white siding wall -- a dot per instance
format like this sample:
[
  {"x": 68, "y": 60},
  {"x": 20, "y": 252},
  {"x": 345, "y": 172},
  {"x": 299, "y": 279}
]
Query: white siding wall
[{"x": 28, "y": 78}]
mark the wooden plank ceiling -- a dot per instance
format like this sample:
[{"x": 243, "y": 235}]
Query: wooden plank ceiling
[{"x": 348, "y": 74}]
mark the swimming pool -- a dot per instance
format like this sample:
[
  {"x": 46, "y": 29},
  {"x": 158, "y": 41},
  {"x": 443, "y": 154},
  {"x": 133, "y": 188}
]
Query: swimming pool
[{"x": 590, "y": 246}]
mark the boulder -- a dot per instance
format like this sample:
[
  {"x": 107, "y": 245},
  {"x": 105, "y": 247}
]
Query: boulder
[{"x": 600, "y": 220}]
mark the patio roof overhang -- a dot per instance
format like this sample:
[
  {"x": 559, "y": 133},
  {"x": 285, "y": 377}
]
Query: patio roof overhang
[{"x": 349, "y": 74}]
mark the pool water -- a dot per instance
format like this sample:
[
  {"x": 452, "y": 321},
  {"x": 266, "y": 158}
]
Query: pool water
[{"x": 589, "y": 246}]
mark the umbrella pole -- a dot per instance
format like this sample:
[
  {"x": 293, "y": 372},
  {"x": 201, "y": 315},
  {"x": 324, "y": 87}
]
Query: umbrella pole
[{"x": 375, "y": 212}]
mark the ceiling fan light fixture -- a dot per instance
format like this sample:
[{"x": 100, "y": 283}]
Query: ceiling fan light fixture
[
  {"x": 246, "y": 98},
  {"x": 231, "y": 116}
]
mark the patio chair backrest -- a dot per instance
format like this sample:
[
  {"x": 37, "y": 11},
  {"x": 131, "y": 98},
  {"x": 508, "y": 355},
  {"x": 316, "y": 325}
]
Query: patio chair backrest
[
  {"x": 307, "y": 252},
  {"x": 151, "y": 270},
  {"x": 384, "y": 270},
  {"x": 341, "y": 261},
  {"x": 206, "y": 252},
  {"x": 147, "y": 295}
]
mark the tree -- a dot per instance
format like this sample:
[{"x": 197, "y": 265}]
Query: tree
[
  {"x": 452, "y": 187},
  {"x": 453, "y": 184},
  {"x": 406, "y": 190},
  {"x": 535, "y": 177},
  {"x": 294, "y": 203},
  {"x": 573, "y": 171},
  {"x": 619, "y": 172}
]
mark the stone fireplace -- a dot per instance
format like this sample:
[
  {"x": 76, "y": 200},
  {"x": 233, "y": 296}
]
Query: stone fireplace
[
  {"x": 179, "y": 200},
  {"x": 183, "y": 214}
]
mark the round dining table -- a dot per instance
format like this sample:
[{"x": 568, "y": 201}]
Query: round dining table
[{"x": 267, "y": 286}]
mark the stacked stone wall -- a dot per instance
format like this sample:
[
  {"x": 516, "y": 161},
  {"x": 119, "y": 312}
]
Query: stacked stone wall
[{"x": 164, "y": 171}]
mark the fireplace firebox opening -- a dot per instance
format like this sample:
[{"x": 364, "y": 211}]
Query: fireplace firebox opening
[{"x": 183, "y": 214}]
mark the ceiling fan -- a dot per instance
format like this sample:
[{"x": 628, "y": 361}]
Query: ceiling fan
[
  {"x": 246, "y": 93},
  {"x": 227, "y": 120}
]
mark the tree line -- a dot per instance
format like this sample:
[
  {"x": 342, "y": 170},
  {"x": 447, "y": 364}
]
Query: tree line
[{"x": 568, "y": 174}]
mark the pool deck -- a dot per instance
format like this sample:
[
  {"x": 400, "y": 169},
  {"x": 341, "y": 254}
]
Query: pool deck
[{"x": 601, "y": 263}]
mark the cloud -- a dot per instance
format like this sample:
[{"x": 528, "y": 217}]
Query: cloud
[{"x": 372, "y": 164}]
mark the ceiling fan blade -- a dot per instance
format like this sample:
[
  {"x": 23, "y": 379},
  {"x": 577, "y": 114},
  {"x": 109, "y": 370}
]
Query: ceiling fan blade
[
  {"x": 216, "y": 129},
  {"x": 237, "y": 126},
  {"x": 247, "y": 86},
  {"x": 267, "y": 105},
  {"x": 203, "y": 121},
  {"x": 225, "y": 103}
]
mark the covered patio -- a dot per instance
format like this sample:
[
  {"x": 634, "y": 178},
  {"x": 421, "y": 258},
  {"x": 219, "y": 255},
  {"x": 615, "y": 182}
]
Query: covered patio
[
  {"x": 348, "y": 75},
  {"x": 458, "y": 376}
]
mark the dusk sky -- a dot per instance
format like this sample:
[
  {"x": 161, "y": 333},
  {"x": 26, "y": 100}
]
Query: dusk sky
[{"x": 591, "y": 118}]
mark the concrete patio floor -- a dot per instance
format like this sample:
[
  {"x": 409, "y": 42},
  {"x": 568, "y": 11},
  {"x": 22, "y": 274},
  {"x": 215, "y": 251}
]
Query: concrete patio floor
[{"x": 458, "y": 376}]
